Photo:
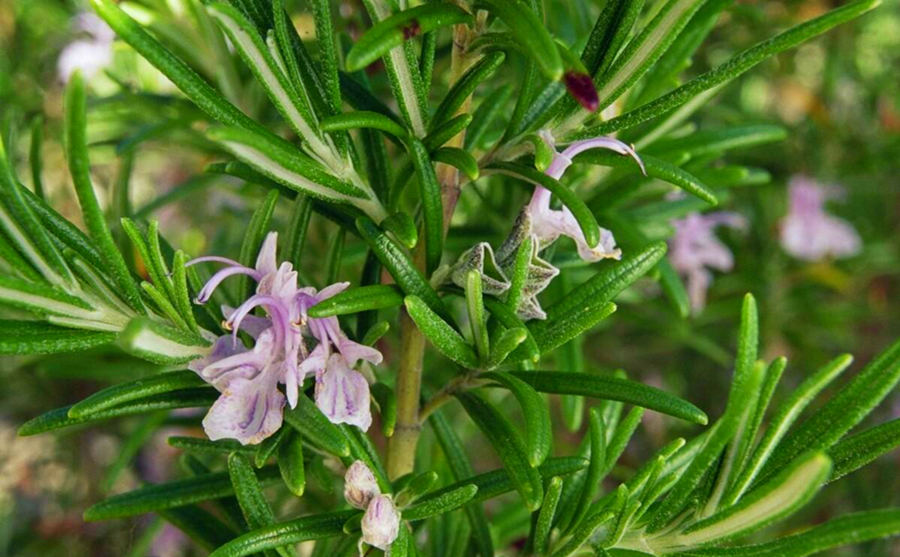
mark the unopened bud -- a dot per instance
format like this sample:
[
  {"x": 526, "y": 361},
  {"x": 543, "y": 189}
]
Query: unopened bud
[
  {"x": 360, "y": 485},
  {"x": 381, "y": 523}
]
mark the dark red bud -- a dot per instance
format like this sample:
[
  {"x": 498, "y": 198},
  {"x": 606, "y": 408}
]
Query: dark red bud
[
  {"x": 582, "y": 89},
  {"x": 412, "y": 30}
]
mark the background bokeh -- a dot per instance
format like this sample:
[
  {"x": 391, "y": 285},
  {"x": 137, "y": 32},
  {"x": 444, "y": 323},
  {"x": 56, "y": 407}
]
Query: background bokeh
[{"x": 838, "y": 97}]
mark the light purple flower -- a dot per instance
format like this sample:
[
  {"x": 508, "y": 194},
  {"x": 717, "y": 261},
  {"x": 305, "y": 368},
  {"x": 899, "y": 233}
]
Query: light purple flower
[
  {"x": 548, "y": 224},
  {"x": 250, "y": 408},
  {"x": 808, "y": 232},
  {"x": 90, "y": 55},
  {"x": 694, "y": 250},
  {"x": 381, "y": 523}
]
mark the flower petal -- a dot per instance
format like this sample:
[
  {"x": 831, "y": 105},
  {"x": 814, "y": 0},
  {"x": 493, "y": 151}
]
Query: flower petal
[
  {"x": 360, "y": 486},
  {"x": 342, "y": 394},
  {"x": 265, "y": 261},
  {"x": 249, "y": 410}
]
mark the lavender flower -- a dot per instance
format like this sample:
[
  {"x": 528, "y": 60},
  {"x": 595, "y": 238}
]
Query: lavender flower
[
  {"x": 548, "y": 224},
  {"x": 90, "y": 55},
  {"x": 808, "y": 232},
  {"x": 694, "y": 250},
  {"x": 250, "y": 408}
]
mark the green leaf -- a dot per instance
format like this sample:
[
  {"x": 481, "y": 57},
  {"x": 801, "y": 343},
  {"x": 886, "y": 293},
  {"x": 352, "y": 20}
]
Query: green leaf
[
  {"x": 558, "y": 331},
  {"x": 486, "y": 115},
  {"x": 169, "y": 495},
  {"x": 298, "y": 226},
  {"x": 364, "y": 119},
  {"x": 59, "y": 418},
  {"x": 441, "y": 334},
  {"x": 580, "y": 211},
  {"x": 25, "y": 231},
  {"x": 729, "y": 70},
  {"x": 202, "y": 445},
  {"x": 503, "y": 345},
  {"x": 355, "y": 300},
  {"x": 461, "y": 470},
  {"x": 325, "y": 37},
  {"x": 538, "y": 429},
  {"x": 309, "y": 421},
  {"x": 465, "y": 86},
  {"x": 35, "y": 155},
  {"x": 545, "y": 516},
  {"x": 596, "y": 469},
  {"x": 844, "y": 411},
  {"x": 290, "y": 464},
  {"x": 62, "y": 229},
  {"x": 531, "y": 34},
  {"x": 778, "y": 498},
  {"x": 278, "y": 160},
  {"x": 134, "y": 390},
  {"x": 475, "y": 310},
  {"x": 36, "y": 337},
  {"x": 254, "y": 236},
  {"x": 192, "y": 85},
  {"x": 444, "y": 503},
  {"x": 507, "y": 317},
  {"x": 292, "y": 532},
  {"x": 608, "y": 387},
  {"x": 459, "y": 159},
  {"x": 713, "y": 142},
  {"x": 405, "y": 274},
  {"x": 160, "y": 343},
  {"x": 403, "y": 71},
  {"x": 253, "y": 503},
  {"x": 645, "y": 49},
  {"x": 204, "y": 528},
  {"x": 656, "y": 168},
  {"x": 387, "y": 406},
  {"x": 508, "y": 445},
  {"x": 584, "y": 531},
  {"x": 497, "y": 482},
  {"x": 853, "y": 528},
  {"x": 432, "y": 205},
  {"x": 269, "y": 446},
  {"x": 857, "y": 450},
  {"x": 403, "y": 227},
  {"x": 786, "y": 415},
  {"x": 402, "y": 26},
  {"x": 94, "y": 219},
  {"x": 607, "y": 283},
  {"x": 445, "y": 132},
  {"x": 293, "y": 105}
]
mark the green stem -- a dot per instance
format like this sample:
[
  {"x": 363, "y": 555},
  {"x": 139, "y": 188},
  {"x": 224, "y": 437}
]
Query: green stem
[{"x": 401, "y": 456}]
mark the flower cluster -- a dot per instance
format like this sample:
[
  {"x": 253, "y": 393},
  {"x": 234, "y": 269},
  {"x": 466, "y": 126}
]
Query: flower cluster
[
  {"x": 544, "y": 226},
  {"x": 381, "y": 521},
  {"x": 251, "y": 405},
  {"x": 808, "y": 232},
  {"x": 695, "y": 251}
]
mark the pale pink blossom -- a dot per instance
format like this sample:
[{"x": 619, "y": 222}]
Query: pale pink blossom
[
  {"x": 695, "y": 251},
  {"x": 808, "y": 232}
]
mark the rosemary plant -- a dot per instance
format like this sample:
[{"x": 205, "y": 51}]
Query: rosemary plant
[{"x": 369, "y": 360}]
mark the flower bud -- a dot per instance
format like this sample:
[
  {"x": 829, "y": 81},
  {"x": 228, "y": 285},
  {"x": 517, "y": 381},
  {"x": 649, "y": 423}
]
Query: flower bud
[
  {"x": 381, "y": 523},
  {"x": 360, "y": 485}
]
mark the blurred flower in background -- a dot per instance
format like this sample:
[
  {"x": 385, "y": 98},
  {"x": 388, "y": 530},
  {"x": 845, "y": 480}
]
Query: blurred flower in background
[
  {"x": 695, "y": 251},
  {"x": 808, "y": 232},
  {"x": 90, "y": 54}
]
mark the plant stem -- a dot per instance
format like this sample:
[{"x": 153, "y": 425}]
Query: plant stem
[
  {"x": 401, "y": 455},
  {"x": 402, "y": 445}
]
